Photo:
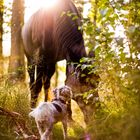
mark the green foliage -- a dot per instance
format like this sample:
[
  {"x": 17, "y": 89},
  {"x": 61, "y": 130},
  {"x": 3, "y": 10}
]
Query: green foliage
[{"x": 117, "y": 63}]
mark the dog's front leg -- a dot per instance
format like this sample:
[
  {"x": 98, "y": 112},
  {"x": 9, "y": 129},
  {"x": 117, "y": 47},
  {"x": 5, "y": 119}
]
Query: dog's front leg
[
  {"x": 64, "y": 122},
  {"x": 47, "y": 132}
]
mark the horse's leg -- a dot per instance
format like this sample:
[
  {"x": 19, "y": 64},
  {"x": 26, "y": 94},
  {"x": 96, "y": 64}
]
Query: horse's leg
[
  {"x": 69, "y": 111},
  {"x": 31, "y": 71},
  {"x": 69, "y": 68},
  {"x": 38, "y": 84},
  {"x": 48, "y": 72},
  {"x": 88, "y": 109}
]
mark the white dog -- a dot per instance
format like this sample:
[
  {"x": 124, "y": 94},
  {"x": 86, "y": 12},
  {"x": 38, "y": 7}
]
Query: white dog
[{"x": 49, "y": 113}]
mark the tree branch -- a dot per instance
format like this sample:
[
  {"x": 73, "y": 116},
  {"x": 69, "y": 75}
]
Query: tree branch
[{"x": 20, "y": 124}]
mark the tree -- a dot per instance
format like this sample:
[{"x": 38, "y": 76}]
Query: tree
[
  {"x": 16, "y": 64},
  {"x": 1, "y": 32},
  {"x": 1, "y": 23}
]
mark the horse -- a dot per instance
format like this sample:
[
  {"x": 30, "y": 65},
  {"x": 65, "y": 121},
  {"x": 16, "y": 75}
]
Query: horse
[{"x": 51, "y": 35}]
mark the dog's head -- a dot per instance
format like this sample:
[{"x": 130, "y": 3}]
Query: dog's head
[{"x": 64, "y": 93}]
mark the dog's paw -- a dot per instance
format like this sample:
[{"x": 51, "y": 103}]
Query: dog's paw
[{"x": 43, "y": 137}]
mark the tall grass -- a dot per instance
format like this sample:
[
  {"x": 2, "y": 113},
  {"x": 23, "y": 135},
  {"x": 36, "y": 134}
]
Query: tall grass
[
  {"x": 16, "y": 97},
  {"x": 119, "y": 115},
  {"x": 118, "y": 118}
]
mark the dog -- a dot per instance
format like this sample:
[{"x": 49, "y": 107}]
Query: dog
[{"x": 49, "y": 113}]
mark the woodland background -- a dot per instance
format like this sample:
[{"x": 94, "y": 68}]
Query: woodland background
[{"x": 112, "y": 30}]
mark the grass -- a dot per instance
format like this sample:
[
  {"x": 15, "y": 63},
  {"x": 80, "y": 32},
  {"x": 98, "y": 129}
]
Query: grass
[
  {"x": 13, "y": 97},
  {"x": 109, "y": 123},
  {"x": 16, "y": 97}
]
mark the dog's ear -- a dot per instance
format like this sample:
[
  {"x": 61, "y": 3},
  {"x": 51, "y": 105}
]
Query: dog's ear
[{"x": 56, "y": 92}]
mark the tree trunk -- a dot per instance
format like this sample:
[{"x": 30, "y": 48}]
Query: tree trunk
[
  {"x": 16, "y": 64},
  {"x": 1, "y": 23},
  {"x": 1, "y": 33}
]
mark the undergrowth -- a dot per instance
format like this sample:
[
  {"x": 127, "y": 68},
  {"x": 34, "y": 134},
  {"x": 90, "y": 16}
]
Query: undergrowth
[
  {"x": 118, "y": 117},
  {"x": 16, "y": 97}
]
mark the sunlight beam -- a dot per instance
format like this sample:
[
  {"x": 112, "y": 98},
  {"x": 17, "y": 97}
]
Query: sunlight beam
[
  {"x": 33, "y": 5},
  {"x": 48, "y": 3},
  {"x": 37, "y": 4}
]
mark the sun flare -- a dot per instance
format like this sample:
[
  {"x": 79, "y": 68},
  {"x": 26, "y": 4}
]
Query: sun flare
[
  {"x": 44, "y": 3},
  {"x": 33, "y": 5},
  {"x": 48, "y": 3}
]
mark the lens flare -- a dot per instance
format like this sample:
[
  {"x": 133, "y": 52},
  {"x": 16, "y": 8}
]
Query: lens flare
[{"x": 48, "y": 3}]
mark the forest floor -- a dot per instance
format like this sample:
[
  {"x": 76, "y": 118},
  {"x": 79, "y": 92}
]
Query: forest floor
[{"x": 15, "y": 97}]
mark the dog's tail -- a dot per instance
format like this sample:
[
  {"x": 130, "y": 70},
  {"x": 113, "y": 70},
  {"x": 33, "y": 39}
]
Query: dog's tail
[
  {"x": 32, "y": 113},
  {"x": 37, "y": 112}
]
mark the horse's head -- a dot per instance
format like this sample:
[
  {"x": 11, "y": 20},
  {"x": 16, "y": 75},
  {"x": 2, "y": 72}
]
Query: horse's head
[
  {"x": 82, "y": 77},
  {"x": 83, "y": 81}
]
